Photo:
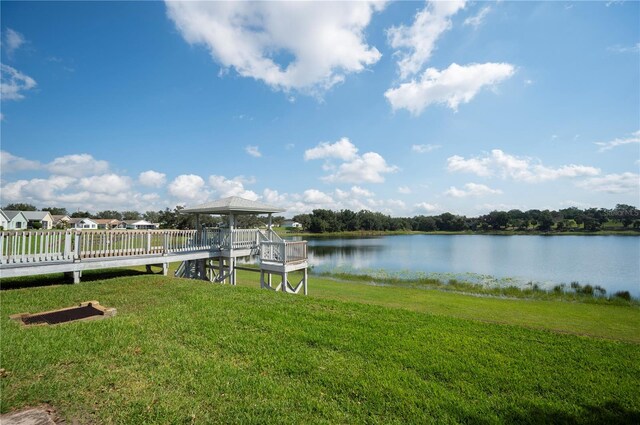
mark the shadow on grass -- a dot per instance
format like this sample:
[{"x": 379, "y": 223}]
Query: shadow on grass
[
  {"x": 611, "y": 413},
  {"x": 61, "y": 279}
]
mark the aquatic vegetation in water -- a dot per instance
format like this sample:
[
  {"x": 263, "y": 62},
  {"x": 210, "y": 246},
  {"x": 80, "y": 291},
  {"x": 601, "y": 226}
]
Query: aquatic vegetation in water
[{"x": 478, "y": 284}]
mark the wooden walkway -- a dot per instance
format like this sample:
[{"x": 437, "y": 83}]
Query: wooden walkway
[{"x": 26, "y": 253}]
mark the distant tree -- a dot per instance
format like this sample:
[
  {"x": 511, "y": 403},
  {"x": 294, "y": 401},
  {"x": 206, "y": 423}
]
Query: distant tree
[
  {"x": 303, "y": 219},
  {"x": 626, "y": 214},
  {"x": 545, "y": 221},
  {"x": 497, "y": 219},
  {"x": 249, "y": 221},
  {"x": 349, "y": 220},
  {"x": 109, "y": 214},
  {"x": 81, "y": 214},
  {"x": 131, "y": 215},
  {"x": 56, "y": 211},
  {"x": 422, "y": 223},
  {"x": 20, "y": 207},
  {"x": 277, "y": 220},
  {"x": 152, "y": 216}
]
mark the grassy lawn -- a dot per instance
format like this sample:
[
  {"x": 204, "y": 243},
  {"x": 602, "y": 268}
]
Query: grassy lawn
[{"x": 182, "y": 351}]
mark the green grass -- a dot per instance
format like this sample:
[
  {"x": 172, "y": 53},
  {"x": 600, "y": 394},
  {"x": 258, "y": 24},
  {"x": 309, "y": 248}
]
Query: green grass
[{"x": 182, "y": 351}]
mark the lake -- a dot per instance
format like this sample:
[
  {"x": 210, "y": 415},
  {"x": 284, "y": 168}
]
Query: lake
[{"x": 612, "y": 262}]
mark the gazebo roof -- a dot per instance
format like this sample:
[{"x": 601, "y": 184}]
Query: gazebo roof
[{"x": 232, "y": 205}]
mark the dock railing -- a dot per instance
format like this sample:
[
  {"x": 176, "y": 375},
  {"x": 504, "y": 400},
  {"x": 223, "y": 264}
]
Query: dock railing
[
  {"x": 47, "y": 246},
  {"x": 284, "y": 252},
  {"x": 51, "y": 246}
]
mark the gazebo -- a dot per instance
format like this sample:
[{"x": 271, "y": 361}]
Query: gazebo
[{"x": 276, "y": 255}]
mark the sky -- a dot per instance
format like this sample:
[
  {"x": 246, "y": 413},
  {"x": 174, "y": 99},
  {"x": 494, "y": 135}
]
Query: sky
[{"x": 405, "y": 108}]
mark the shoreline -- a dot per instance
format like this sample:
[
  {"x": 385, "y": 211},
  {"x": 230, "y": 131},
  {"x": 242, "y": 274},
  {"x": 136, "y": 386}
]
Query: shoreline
[{"x": 358, "y": 233}]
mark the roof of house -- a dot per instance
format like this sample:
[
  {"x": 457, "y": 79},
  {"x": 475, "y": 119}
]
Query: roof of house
[
  {"x": 232, "y": 205},
  {"x": 60, "y": 217},
  {"x": 80, "y": 219},
  {"x": 106, "y": 220},
  {"x": 139, "y": 222},
  {"x": 10, "y": 214},
  {"x": 36, "y": 215}
]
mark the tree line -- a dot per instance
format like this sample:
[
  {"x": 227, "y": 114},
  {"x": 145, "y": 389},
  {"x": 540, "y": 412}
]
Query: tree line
[
  {"x": 167, "y": 218},
  {"x": 323, "y": 220},
  {"x": 590, "y": 219}
]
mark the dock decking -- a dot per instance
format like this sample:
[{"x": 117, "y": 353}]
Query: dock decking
[{"x": 25, "y": 253}]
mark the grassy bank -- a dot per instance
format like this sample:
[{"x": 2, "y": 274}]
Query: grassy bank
[
  {"x": 574, "y": 292},
  {"x": 183, "y": 351}
]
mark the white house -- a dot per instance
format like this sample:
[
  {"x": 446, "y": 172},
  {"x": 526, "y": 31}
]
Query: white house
[
  {"x": 15, "y": 220},
  {"x": 83, "y": 223},
  {"x": 43, "y": 217},
  {"x": 140, "y": 224},
  {"x": 108, "y": 223},
  {"x": 60, "y": 220},
  {"x": 4, "y": 220},
  {"x": 291, "y": 223}
]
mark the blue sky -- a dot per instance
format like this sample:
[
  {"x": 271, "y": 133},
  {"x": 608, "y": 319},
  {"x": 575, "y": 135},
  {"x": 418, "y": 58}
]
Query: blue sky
[{"x": 402, "y": 107}]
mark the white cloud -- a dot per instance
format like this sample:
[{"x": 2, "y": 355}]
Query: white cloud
[
  {"x": 224, "y": 187},
  {"x": 354, "y": 192},
  {"x": 418, "y": 40},
  {"x": 477, "y": 20},
  {"x": 613, "y": 183},
  {"x": 107, "y": 183},
  {"x": 425, "y": 148},
  {"x": 38, "y": 190},
  {"x": 14, "y": 83},
  {"x": 11, "y": 163},
  {"x": 13, "y": 41},
  {"x": 358, "y": 191},
  {"x": 324, "y": 41},
  {"x": 426, "y": 207},
  {"x": 404, "y": 190},
  {"x": 253, "y": 151},
  {"x": 471, "y": 189},
  {"x": 355, "y": 168},
  {"x": 188, "y": 187},
  {"x": 273, "y": 197},
  {"x": 342, "y": 149},
  {"x": 452, "y": 86},
  {"x": 369, "y": 167},
  {"x": 396, "y": 204},
  {"x": 625, "y": 49},
  {"x": 77, "y": 165},
  {"x": 152, "y": 178},
  {"x": 633, "y": 138},
  {"x": 519, "y": 169},
  {"x": 314, "y": 196}
]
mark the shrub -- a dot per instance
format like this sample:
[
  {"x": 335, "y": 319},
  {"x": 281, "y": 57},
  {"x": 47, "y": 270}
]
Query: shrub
[{"x": 625, "y": 295}]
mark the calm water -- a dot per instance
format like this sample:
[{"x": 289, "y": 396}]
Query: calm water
[{"x": 612, "y": 262}]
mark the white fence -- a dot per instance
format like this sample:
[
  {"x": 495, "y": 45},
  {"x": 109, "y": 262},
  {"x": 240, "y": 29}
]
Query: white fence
[
  {"x": 48, "y": 246},
  {"x": 283, "y": 252}
]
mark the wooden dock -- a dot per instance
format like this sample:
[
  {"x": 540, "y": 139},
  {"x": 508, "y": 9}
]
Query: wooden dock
[{"x": 208, "y": 253}]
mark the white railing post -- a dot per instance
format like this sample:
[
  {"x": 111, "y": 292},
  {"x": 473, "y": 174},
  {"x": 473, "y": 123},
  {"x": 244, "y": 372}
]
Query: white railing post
[
  {"x": 77, "y": 241},
  {"x": 165, "y": 243},
  {"x": 2, "y": 248},
  {"x": 148, "y": 242},
  {"x": 67, "y": 245}
]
